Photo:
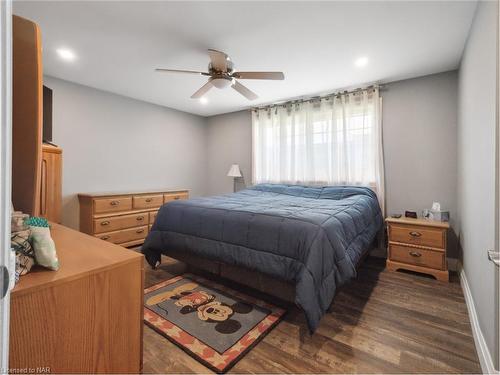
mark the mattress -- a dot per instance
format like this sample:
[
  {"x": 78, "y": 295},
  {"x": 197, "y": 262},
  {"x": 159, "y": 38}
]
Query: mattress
[{"x": 312, "y": 237}]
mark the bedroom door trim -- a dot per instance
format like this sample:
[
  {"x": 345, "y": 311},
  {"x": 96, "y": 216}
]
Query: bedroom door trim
[{"x": 6, "y": 257}]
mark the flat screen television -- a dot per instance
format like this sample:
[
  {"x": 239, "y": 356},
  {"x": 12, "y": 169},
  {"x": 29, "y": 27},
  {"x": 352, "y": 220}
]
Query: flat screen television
[{"x": 47, "y": 114}]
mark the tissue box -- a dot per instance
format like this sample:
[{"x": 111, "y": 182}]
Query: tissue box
[{"x": 439, "y": 215}]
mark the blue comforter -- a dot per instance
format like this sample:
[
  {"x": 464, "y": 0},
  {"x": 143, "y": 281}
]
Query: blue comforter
[{"x": 310, "y": 236}]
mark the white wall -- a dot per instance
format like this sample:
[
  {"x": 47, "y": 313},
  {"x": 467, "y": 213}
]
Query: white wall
[
  {"x": 476, "y": 166},
  {"x": 419, "y": 125},
  {"x": 112, "y": 142}
]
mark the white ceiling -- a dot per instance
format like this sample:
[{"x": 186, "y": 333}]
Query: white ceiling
[{"x": 118, "y": 44}]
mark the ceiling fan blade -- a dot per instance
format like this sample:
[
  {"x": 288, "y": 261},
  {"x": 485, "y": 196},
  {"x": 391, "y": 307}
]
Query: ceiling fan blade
[
  {"x": 202, "y": 90},
  {"x": 243, "y": 90},
  {"x": 218, "y": 59},
  {"x": 259, "y": 75},
  {"x": 181, "y": 71}
]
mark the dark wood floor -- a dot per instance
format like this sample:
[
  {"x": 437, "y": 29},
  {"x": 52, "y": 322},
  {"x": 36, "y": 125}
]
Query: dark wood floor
[{"x": 383, "y": 322}]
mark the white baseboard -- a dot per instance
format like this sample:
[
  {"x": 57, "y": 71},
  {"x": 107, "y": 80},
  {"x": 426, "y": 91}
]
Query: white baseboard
[{"x": 482, "y": 349}]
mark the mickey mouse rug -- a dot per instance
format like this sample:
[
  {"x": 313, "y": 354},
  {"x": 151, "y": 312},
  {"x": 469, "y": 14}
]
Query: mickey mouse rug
[{"x": 215, "y": 325}]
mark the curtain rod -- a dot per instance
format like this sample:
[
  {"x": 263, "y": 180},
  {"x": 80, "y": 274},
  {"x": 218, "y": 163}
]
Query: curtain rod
[{"x": 318, "y": 97}]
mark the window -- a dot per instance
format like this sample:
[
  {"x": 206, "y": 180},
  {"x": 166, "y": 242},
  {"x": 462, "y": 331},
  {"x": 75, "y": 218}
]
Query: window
[{"x": 330, "y": 141}]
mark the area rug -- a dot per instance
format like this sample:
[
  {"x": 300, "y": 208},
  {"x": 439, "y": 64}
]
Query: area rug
[{"x": 215, "y": 325}]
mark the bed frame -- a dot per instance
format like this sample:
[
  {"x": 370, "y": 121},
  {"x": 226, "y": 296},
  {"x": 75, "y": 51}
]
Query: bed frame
[{"x": 253, "y": 279}]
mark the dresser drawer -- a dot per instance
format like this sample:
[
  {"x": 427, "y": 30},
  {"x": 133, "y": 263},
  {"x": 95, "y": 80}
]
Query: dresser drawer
[
  {"x": 124, "y": 235},
  {"x": 152, "y": 217},
  {"x": 147, "y": 201},
  {"x": 174, "y": 196},
  {"x": 108, "y": 224},
  {"x": 112, "y": 204},
  {"x": 424, "y": 236},
  {"x": 416, "y": 256}
]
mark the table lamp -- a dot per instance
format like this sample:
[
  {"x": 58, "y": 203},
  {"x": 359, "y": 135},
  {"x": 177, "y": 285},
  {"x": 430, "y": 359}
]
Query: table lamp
[{"x": 234, "y": 172}]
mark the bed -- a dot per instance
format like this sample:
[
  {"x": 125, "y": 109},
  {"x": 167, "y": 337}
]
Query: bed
[{"x": 311, "y": 237}]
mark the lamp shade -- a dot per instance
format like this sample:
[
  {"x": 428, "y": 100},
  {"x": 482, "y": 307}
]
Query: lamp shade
[{"x": 234, "y": 171}]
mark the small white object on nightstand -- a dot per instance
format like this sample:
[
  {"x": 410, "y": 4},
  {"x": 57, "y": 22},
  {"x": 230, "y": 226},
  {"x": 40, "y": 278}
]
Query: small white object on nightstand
[{"x": 234, "y": 172}]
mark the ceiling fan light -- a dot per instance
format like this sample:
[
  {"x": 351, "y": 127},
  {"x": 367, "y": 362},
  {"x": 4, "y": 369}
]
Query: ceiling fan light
[{"x": 221, "y": 83}]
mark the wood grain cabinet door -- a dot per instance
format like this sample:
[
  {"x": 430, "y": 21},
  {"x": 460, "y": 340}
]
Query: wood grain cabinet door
[
  {"x": 51, "y": 183},
  {"x": 27, "y": 77}
]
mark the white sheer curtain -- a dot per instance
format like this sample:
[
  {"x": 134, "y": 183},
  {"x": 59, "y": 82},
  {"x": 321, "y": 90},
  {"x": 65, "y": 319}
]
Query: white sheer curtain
[{"x": 331, "y": 141}]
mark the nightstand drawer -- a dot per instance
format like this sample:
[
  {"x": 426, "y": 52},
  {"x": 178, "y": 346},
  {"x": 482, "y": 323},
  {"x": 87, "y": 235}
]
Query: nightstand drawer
[
  {"x": 424, "y": 236},
  {"x": 416, "y": 256}
]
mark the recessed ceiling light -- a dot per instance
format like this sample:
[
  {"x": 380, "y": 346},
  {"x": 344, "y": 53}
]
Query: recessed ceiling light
[
  {"x": 66, "y": 54},
  {"x": 203, "y": 100},
  {"x": 361, "y": 62}
]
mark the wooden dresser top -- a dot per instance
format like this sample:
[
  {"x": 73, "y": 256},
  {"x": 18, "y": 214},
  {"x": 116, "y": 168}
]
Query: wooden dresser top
[
  {"x": 79, "y": 255},
  {"x": 117, "y": 193},
  {"x": 420, "y": 222}
]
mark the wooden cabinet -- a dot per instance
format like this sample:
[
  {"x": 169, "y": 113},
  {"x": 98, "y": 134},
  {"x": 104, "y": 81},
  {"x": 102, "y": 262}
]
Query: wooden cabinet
[
  {"x": 27, "y": 76},
  {"x": 123, "y": 218},
  {"x": 84, "y": 318},
  {"x": 36, "y": 168},
  {"x": 51, "y": 183},
  {"x": 418, "y": 245}
]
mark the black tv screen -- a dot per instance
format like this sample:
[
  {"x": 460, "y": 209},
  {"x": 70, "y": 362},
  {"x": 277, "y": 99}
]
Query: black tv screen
[{"x": 47, "y": 114}]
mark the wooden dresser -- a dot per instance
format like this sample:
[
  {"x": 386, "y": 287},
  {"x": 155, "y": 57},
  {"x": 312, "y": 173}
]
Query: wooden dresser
[
  {"x": 84, "y": 318},
  {"x": 418, "y": 245},
  {"x": 123, "y": 218}
]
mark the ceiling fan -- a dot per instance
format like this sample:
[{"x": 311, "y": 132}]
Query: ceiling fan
[{"x": 222, "y": 75}]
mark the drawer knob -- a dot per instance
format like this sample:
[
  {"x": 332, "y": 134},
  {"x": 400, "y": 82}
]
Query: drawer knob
[
  {"x": 105, "y": 223},
  {"x": 177, "y": 197},
  {"x": 148, "y": 200},
  {"x": 415, "y": 234},
  {"x": 140, "y": 218},
  {"x": 105, "y": 238},
  {"x": 415, "y": 254},
  {"x": 139, "y": 231},
  {"x": 114, "y": 203}
]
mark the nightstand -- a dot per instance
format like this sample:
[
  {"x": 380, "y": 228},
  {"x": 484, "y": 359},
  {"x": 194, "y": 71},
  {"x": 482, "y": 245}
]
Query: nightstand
[{"x": 418, "y": 245}]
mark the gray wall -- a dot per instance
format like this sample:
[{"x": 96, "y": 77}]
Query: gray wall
[
  {"x": 229, "y": 142},
  {"x": 112, "y": 142},
  {"x": 476, "y": 166},
  {"x": 419, "y": 125},
  {"x": 420, "y": 145}
]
